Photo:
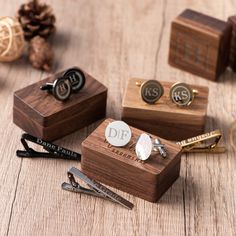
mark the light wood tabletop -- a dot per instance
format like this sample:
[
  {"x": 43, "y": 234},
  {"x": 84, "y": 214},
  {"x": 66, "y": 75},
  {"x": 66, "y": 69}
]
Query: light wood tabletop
[{"x": 113, "y": 41}]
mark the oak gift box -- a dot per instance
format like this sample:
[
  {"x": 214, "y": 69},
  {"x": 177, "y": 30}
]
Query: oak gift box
[
  {"x": 40, "y": 114},
  {"x": 119, "y": 167},
  {"x": 164, "y": 118}
]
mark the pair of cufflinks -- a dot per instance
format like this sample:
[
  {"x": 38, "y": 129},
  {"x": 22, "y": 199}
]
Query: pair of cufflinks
[
  {"x": 119, "y": 134},
  {"x": 71, "y": 81},
  {"x": 180, "y": 94}
]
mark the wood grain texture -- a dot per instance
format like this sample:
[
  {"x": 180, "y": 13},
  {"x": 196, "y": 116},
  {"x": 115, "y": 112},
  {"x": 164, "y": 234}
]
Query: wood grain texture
[
  {"x": 232, "y": 57},
  {"x": 164, "y": 118},
  {"x": 114, "y": 41},
  {"x": 120, "y": 168},
  {"x": 200, "y": 44},
  {"x": 40, "y": 114}
]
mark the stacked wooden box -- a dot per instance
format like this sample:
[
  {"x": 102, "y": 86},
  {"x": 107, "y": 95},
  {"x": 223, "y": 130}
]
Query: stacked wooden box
[{"x": 40, "y": 114}]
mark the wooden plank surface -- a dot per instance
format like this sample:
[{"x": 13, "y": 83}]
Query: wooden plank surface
[{"x": 113, "y": 41}]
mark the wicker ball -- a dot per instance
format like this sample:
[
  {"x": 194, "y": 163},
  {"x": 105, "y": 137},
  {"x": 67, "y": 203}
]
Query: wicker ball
[{"x": 11, "y": 39}]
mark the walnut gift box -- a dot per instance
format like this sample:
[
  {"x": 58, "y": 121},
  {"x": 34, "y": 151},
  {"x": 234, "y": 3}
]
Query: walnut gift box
[
  {"x": 120, "y": 168},
  {"x": 200, "y": 44},
  {"x": 40, "y": 114}
]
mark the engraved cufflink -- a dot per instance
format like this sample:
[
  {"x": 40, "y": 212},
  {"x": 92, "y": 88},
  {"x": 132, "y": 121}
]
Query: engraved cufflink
[
  {"x": 145, "y": 146},
  {"x": 118, "y": 133},
  {"x": 60, "y": 88},
  {"x": 150, "y": 91},
  {"x": 182, "y": 94},
  {"x": 76, "y": 78},
  {"x": 72, "y": 80}
]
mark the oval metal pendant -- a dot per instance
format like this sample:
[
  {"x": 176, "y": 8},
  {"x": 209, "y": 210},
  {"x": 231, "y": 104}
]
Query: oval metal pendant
[{"x": 143, "y": 147}]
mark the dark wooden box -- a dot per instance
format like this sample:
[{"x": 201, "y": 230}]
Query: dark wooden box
[
  {"x": 200, "y": 44},
  {"x": 232, "y": 57},
  {"x": 41, "y": 115},
  {"x": 164, "y": 118},
  {"x": 119, "y": 168}
]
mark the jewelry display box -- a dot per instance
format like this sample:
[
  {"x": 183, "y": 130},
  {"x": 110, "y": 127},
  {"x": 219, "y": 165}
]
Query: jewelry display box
[
  {"x": 232, "y": 56},
  {"x": 200, "y": 44},
  {"x": 120, "y": 168},
  {"x": 40, "y": 114},
  {"x": 165, "y": 118}
]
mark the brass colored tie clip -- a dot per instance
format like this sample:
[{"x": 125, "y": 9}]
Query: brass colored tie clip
[{"x": 201, "y": 143}]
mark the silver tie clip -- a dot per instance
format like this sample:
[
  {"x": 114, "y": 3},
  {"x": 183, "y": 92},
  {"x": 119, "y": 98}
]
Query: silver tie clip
[{"x": 95, "y": 189}]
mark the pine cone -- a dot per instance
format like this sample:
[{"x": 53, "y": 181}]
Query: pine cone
[
  {"x": 40, "y": 53},
  {"x": 36, "y": 19}
]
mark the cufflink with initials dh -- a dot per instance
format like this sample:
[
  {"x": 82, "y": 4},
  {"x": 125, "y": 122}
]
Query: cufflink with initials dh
[{"x": 73, "y": 80}]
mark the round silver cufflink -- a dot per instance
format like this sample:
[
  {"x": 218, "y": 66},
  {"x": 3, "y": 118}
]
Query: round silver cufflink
[
  {"x": 145, "y": 147},
  {"x": 73, "y": 80},
  {"x": 182, "y": 94},
  {"x": 118, "y": 133}
]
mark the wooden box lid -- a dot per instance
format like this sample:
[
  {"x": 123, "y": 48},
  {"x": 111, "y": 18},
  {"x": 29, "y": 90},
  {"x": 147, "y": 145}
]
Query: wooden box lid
[
  {"x": 201, "y": 22},
  {"x": 119, "y": 167},
  {"x": 46, "y": 110}
]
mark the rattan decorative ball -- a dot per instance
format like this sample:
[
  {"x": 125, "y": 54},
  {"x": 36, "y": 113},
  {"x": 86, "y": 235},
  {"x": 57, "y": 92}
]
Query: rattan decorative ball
[{"x": 11, "y": 39}]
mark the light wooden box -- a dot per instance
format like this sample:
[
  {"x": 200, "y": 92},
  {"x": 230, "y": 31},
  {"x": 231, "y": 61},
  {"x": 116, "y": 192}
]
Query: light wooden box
[
  {"x": 40, "y": 114},
  {"x": 164, "y": 118},
  {"x": 119, "y": 167}
]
